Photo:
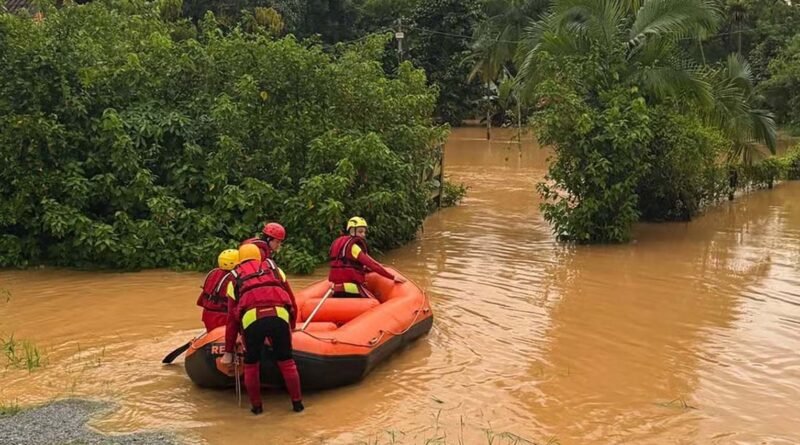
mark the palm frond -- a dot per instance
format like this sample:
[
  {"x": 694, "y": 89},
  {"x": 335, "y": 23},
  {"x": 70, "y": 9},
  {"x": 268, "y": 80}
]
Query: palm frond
[
  {"x": 682, "y": 81},
  {"x": 485, "y": 61},
  {"x": 673, "y": 19},
  {"x": 739, "y": 72},
  {"x": 505, "y": 92},
  {"x": 729, "y": 109},
  {"x": 653, "y": 51},
  {"x": 634, "y": 5},
  {"x": 595, "y": 19},
  {"x": 506, "y": 23},
  {"x": 764, "y": 128},
  {"x": 527, "y": 49},
  {"x": 735, "y": 110}
]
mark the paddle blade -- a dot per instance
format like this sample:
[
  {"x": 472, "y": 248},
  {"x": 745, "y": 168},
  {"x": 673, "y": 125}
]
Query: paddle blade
[{"x": 174, "y": 354}]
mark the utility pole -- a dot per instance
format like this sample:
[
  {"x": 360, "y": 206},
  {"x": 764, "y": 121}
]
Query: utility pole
[{"x": 399, "y": 36}]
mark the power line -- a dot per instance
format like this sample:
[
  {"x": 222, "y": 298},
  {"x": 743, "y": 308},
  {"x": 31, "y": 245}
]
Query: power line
[
  {"x": 743, "y": 30},
  {"x": 772, "y": 27},
  {"x": 461, "y": 36},
  {"x": 359, "y": 39},
  {"x": 514, "y": 42}
]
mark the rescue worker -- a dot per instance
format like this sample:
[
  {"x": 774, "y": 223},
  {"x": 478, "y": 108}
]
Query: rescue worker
[
  {"x": 261, "y": 306},
  {"x": 265, "y": 241},
  {"x": 213, "y": 299},
  {"x": 349, "y": 259}
]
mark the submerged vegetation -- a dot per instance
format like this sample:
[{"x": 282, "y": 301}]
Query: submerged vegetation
[
  {"x": 20, "y": 354},
  {"x": 9, "y": 408},
  {"x": 150, "y": 141},
  {"x": 153, "y": 134},
  {"x": 649, "y": 116}
]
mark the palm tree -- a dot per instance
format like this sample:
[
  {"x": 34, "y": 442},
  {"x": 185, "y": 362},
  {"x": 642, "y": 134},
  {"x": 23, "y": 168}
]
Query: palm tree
[
  {"x": 737, "y": 12},
  {"x": 736, "y": 111},
  {"x": 487, "y": 66},
  {"x": 496, "y": 41},
  {"x": 506, "y": 24},
  {"x": 648, "y": 31},
  {"x": 507, "y": 96}
]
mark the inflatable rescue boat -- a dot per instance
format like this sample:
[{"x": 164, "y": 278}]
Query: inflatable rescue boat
[{"x": 343, "y": 342}]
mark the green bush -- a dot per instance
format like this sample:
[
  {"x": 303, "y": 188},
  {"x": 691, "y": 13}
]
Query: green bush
[
  {"x": 765, "y": 173},
  {"x": 683, "y": 173},
  {"x": 124, "y": 147},
  {"x": 599, "y": 135},
  {"x": 762, "y": 174},
  {"x": 453, "y": 194},
  {"x": 792, "y": 160},
  {"x": 782, "y": 89}
]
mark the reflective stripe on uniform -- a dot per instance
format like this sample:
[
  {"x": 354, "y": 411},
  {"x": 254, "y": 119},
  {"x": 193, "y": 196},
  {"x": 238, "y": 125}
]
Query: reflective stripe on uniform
[
  {"x": 355, "y": 250},
  {"x": 248, "y": 318},
  {"x": 251, "y": 316},
  {"x": 282, "y": 313},
  {"x": 351, "y": 288},
  {"x": 230, "y": 292}
]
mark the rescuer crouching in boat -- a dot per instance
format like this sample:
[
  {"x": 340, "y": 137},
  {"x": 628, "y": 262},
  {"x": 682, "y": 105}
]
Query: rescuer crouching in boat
[{"x": 261, "y": 305}]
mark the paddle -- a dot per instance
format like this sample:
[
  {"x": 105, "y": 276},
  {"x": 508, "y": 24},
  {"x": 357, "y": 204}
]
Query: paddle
[
  {"x": 314, "y": 312},
  {"x": 181, "y": 349},
  {"x": 174, "y": 354}
]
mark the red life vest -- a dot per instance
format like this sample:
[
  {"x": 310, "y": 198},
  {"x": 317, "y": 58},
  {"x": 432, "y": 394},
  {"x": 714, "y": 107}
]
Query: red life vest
[
  {"x": 262, "y": 245},
  {"x": 344, "y": 269},
  {"x": 258, "y": 284},
  {"x": 213, "y": 296}
]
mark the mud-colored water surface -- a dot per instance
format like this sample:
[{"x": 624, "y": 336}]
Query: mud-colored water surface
[{"x": 689, "y": 335}]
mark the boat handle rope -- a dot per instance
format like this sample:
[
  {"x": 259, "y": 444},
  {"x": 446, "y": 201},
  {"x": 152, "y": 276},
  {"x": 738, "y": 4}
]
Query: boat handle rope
[{"x": 375, "y": 340}]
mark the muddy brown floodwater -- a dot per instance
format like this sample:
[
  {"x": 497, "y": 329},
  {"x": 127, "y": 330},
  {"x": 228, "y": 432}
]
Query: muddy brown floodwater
[{"x": 689, "y": 335}]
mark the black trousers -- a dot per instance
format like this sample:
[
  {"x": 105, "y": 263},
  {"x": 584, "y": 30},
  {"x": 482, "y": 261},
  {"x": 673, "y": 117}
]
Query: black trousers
[{"x": 279, "y": 334}]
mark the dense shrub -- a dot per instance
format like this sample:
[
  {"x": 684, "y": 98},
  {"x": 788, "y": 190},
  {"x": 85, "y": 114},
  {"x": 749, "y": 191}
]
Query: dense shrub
[
  {"x": 792, "y": 160},
  {"x": 128, "y": 141},
  {"x": 599, "y": 131},
  {"x": 765, "y": 173},
  {"x": 684, "y": 172}
]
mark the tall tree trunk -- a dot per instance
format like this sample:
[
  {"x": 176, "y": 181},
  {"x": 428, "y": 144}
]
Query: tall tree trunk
[
  {"x": 702, "y": 52},
  {"x": 739, "y": 45},
  {"x": 519, "y": 122},
  {"x": 488, "y": 113}
]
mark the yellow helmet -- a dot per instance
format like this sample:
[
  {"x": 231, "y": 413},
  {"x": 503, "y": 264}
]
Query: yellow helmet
[
  {"x": 249, "y": 252},
  {"x": 356, "y": 221},
  {"x": 228, "y": 259}
]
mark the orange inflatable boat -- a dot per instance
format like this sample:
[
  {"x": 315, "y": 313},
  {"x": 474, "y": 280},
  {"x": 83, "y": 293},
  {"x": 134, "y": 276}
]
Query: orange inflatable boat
[{"x": 344, "y": 341}]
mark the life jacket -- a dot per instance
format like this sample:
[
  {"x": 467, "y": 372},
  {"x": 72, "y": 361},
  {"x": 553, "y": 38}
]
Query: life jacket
[
  {"x": 344, "y": 269},
  {"x": 259, "y": 285},
  {"x": 263, "y": 247},
  {"x": 213, "y": 296}
]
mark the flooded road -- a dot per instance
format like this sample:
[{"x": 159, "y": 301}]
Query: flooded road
[{"x": 689, "y": 335}]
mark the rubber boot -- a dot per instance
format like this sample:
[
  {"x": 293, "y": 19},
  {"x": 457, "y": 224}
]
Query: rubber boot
[
  {"x": 292, "y": 379},
  {"x": 252, "y": 381}
]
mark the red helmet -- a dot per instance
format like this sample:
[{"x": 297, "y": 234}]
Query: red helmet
[{"x": 274, "y": 230}]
